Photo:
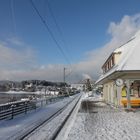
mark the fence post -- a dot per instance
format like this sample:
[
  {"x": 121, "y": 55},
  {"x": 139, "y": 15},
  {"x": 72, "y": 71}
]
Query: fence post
[
  {"x": 25, "y": 107},
  {"x": 41, "y": 102},
  {"x": 35, "y": 104},
  {"x": 46, "y": 101},
  {"x": 12, "y": 106}
]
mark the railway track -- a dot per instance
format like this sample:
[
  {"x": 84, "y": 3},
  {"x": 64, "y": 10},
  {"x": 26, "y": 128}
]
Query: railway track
[
  {"x": 65, "y": 120},
  {"x": 33, "y": 130}
]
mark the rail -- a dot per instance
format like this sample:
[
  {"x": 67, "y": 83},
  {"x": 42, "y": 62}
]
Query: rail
[
  {"x": 58, "y": 130},
  {"x": 58, "y": 127}
]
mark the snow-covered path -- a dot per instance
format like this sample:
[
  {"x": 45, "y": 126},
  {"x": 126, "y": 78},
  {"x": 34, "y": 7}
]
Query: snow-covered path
[
  {"x": 13, "y": 129},
  {"x": 98, "y": 121}
]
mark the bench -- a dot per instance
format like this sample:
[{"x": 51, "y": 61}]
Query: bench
[{"x": 133, "y": 102}]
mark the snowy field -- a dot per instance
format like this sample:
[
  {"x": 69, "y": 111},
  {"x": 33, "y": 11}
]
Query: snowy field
[{"x": 98, "y": 121}]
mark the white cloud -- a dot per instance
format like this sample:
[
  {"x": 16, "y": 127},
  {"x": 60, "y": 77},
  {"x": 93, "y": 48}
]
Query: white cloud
[
  {"x": 12, "y": 58},
  {"x": 91, "y": 67},
  {"x": 86, "y": 76},
  {"x": 17, "y": 62},
  {"x": 120, "y": 33},
  {"x": 53, "y": 74},
  {"x": 15, "y": 41}
]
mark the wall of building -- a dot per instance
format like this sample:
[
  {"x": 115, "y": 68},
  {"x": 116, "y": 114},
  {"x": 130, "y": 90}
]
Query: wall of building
[
  {"x": 116, "y": 58},
  {"x": 108, "y": 92},
  {"x": 112, "y": 93}
]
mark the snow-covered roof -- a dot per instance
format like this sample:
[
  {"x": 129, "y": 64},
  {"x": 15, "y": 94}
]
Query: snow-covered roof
[{"x": 129, "y": 58}]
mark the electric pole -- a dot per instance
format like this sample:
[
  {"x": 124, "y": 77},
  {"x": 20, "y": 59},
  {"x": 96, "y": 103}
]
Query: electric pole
[
  {"x": 64, "y": 75},
  {"x": 64, "y": 80}
]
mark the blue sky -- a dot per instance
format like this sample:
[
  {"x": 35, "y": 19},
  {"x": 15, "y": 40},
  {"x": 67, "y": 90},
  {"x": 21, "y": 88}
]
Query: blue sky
[{"x": 85, "y": 25}]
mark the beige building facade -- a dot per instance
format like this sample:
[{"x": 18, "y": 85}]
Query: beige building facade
[{"x": 121, "y": 75}]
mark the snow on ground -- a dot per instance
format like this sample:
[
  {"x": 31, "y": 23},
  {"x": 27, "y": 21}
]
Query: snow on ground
[
  {"x": 27, "y": 92},
  {"x": 18, "y": 92},
  {"x": 12, "y": 129},
  {"x": 47, "y": 130},
  {"x": 98, "y": 121}
]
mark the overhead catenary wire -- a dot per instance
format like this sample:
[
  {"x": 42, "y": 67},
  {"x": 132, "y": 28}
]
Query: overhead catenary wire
[
  {"x": 13, "y": 17},
  {"x": 50, "y": 32},
  {"x": 55, "y": 21},
  {"x": 57, "y": 26},
  {"x": 60, "y": 32}
]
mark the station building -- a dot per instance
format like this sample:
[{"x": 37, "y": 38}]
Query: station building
[{"x": 121, "y": 75}]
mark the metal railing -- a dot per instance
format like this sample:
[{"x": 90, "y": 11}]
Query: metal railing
[{"x": 9, "y": 110}]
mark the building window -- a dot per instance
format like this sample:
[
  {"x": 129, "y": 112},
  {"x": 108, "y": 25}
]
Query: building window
[
  {"x": 109, "y": 64},
  {"x": 112, "y": 60}
]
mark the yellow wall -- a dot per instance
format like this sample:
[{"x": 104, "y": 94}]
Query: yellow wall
[
  {"x": 108, "y": 92},
  {"x": 112, "y": 93}
]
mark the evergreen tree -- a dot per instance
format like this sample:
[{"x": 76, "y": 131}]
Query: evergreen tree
[{"x": 88, "y": 85}]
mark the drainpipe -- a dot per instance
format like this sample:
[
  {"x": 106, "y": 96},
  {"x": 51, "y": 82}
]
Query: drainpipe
[{"x": 128, "y": 94}]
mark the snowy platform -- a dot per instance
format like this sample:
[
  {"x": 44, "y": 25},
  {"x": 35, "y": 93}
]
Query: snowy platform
[{"x": 98, "y": 121}]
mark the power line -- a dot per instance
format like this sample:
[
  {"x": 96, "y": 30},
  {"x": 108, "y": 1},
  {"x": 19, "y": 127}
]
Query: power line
[
  {"x": 50, "y": 32},
  {"x": 57, "y": 25},
  {"x": 60, "y": 32},
  {"x": 55, "y": 21},
  {"x": 13, "y": 17}
]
